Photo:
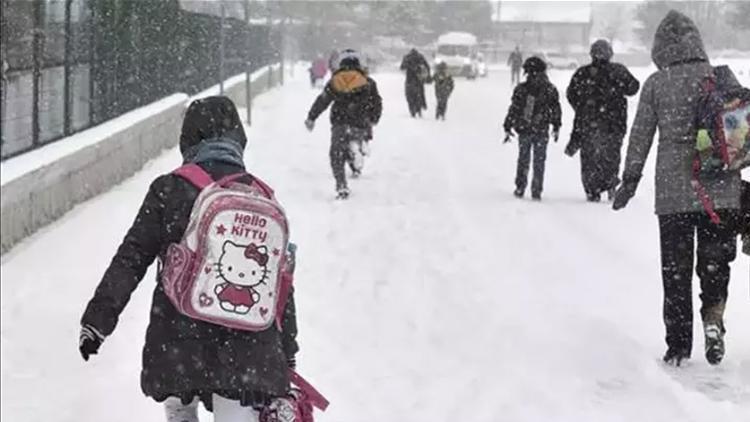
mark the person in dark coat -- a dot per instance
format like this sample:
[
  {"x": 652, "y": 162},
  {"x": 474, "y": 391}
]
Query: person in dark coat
[
  {"x": 515, "y": 60},
  {"x": 535, "y": 107},
  {"x": 597, "y": 93},
  {"x": 417, "y": 74},
  {"x": 744, "y": 228},
  {"x": 668, "y": 103},
  {"x": 357, "y": 107},
  {"x": 443, "y": 89},
  {"x": 185, "y": 358}
]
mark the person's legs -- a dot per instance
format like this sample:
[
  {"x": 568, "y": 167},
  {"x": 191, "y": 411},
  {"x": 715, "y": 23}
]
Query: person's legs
[
  {"x": 522, "y": 167},
  {"x": 338, "y": 153},
  {"x": 178, "y": 412},
  {"x": 540, "y": 158},
  {"x": 355, "y": 138},
  {"x": 677, "y": 234},
  {"x": 226, "y": 410},
  {"x": 442, "y": 103},
  {"x": 611, "y": 156},
  {"x": 588, "y": 169},
  {"x": 717, "y": 248}
]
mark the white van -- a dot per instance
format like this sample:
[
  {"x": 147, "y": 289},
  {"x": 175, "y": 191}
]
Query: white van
[{"x": 459, "y": 51}]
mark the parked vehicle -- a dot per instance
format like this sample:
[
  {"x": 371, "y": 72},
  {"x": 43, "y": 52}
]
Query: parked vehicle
[
  {"x": 561, "y": 61},
  {"x": 458, "y": 50}
]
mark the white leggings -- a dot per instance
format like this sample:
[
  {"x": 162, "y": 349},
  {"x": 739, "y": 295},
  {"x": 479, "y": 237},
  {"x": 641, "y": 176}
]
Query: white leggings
[{"x": 225, "y": 410}]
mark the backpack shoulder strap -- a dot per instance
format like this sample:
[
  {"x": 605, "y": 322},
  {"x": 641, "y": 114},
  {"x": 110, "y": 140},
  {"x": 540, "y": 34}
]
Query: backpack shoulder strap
[
  {"x": 264, "y": 187},
  {"x": 316, "y": 399},
  {"x": 194, "y": 174}
]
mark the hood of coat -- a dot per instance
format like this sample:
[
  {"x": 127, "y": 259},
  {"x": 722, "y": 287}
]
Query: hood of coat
[
  {"x": 208, "y": 119},
  {"x": 348, "y": 80},
  {"x": 677, "y": 40}
]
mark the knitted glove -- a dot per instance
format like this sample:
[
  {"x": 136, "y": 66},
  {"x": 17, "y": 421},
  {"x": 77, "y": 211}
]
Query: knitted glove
[
  {"x": 89, "y": 341},
  {"x": 625, "y": 192}
]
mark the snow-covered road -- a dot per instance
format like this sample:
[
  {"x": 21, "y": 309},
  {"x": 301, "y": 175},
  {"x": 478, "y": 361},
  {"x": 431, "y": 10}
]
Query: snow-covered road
[{"x": 431, "y": 295}]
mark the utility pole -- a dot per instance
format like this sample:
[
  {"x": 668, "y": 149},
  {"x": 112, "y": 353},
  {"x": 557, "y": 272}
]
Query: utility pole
[
  {"x": 221, "y": 48},
  {"x": 248, "y": 64}
]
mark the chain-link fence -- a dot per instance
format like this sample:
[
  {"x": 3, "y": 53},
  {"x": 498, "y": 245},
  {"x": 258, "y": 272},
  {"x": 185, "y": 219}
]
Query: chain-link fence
[{"x": 71, "y": 64}]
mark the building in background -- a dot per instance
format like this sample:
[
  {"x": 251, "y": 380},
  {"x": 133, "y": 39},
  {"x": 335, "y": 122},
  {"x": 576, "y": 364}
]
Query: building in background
[{"x": 563, "y": 27}]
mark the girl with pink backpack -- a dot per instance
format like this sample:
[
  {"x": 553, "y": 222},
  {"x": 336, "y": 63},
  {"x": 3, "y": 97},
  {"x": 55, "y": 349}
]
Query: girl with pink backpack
[{"x": 237, "y": 372}]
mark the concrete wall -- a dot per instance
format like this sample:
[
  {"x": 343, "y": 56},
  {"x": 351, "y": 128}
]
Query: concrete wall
[{"x": 42, "y": 185}]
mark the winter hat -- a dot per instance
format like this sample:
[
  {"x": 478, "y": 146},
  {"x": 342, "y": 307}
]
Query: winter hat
[
  {"x": 211, "y": 118},
  {"x": 534, "y": 65},
  {"x": 349, "y": 59},
  {"x": 601, "y": 50}
]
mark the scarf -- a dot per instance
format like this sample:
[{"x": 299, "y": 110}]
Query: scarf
[{"x": 224, "y": 150}]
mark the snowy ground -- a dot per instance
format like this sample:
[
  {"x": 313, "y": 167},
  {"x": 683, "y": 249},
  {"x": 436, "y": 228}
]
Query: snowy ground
[{"x": 432, "y": 295}]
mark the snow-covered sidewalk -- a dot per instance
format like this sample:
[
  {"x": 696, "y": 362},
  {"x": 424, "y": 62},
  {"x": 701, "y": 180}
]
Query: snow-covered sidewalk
[{"x": 431, "y": 295}]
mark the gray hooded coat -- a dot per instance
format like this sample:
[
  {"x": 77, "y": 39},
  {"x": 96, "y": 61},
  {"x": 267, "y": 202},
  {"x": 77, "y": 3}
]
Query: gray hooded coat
[{"x": 668, "y": 102}]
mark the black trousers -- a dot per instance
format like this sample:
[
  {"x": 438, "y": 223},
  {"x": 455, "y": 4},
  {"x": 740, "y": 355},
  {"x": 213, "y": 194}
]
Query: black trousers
[
  {"x": 600, "y": 162},
  {"x": 344, "y": 139},
  {"x": 716, "y": 249},
  {"x": 526, "y": 144},
  {"x": 442, "y": 106}
]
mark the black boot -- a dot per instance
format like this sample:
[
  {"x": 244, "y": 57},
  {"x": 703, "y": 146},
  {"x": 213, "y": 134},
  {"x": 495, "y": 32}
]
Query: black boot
[
  {"x": 675, "y": 357},
  {"x": 518, "y": 193}
]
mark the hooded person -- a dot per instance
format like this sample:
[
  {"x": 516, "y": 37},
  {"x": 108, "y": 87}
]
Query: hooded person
[
  {"x": 184, "y": 359},
  {"x": 667, "y": 103},
  {"x": 443, "y": 89},
  {"x": 534, "y": 110},
  {"x": 417, "y": 74},
  {"x": 357, "y": 106},
  {"x": 597, "y": 93}
]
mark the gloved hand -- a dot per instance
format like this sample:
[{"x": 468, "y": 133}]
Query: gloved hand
[
  {"x": 309, "y": 124},
  {"x": 625, "y": 192},
  {"x": 89, "y": 341},
  {"x": 556, "y": 134},
  {"x": 508, "y": 135},
  {"x": 292, "y": 362}
]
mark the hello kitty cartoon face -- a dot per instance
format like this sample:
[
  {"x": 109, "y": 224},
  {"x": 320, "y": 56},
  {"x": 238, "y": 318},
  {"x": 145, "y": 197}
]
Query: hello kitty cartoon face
[{"x": 243, "y": 265}]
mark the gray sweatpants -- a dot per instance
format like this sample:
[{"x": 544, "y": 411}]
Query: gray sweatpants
[{"x": 346, "y": 143}]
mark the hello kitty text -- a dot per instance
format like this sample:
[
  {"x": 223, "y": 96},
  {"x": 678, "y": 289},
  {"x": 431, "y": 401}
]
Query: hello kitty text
[{"x": 250, "y": 226}]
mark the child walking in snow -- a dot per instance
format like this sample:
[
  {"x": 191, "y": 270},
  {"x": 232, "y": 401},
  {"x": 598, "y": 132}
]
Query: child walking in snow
[
  {"x": 443, "y": 89},
  {"x": 234, "y": 372},
  {"x": 357, "y": 106},
  {"x": 535, "y": 107}
]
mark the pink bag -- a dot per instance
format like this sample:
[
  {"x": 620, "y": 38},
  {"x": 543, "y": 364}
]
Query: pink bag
[
  {"x": 298, "y": 405},
  {"x": 230, "y": 266}
]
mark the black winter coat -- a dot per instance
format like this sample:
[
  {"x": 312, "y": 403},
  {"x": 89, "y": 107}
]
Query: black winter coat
[
  {"x": 597, "y": 94},
  {"x": 526, "y": 119},
  {"x": 443, "y": 85},
  {"x": 184, "y": 357},
  {"x": 416, "y": 67},
  {"x": 355, "y": 97}
]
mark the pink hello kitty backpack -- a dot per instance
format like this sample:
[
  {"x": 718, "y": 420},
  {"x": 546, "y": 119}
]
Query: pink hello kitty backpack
[{"x": 230, "y": 268}]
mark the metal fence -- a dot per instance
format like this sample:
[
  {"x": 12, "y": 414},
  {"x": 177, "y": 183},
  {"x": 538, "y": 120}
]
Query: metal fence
[{"x": 71, "y": 64}]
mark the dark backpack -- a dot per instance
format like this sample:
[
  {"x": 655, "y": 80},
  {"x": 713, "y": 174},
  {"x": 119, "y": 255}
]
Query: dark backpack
[{"x": 723, "y": 137}]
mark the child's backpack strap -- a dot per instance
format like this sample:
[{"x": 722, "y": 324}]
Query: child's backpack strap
[
  {"x": 313, "y": 395},
  {"x": 194, "y": 174}
]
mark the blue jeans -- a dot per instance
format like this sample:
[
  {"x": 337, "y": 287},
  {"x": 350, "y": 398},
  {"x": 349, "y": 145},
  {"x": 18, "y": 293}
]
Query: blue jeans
[{"x": 526, "y": 144}]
